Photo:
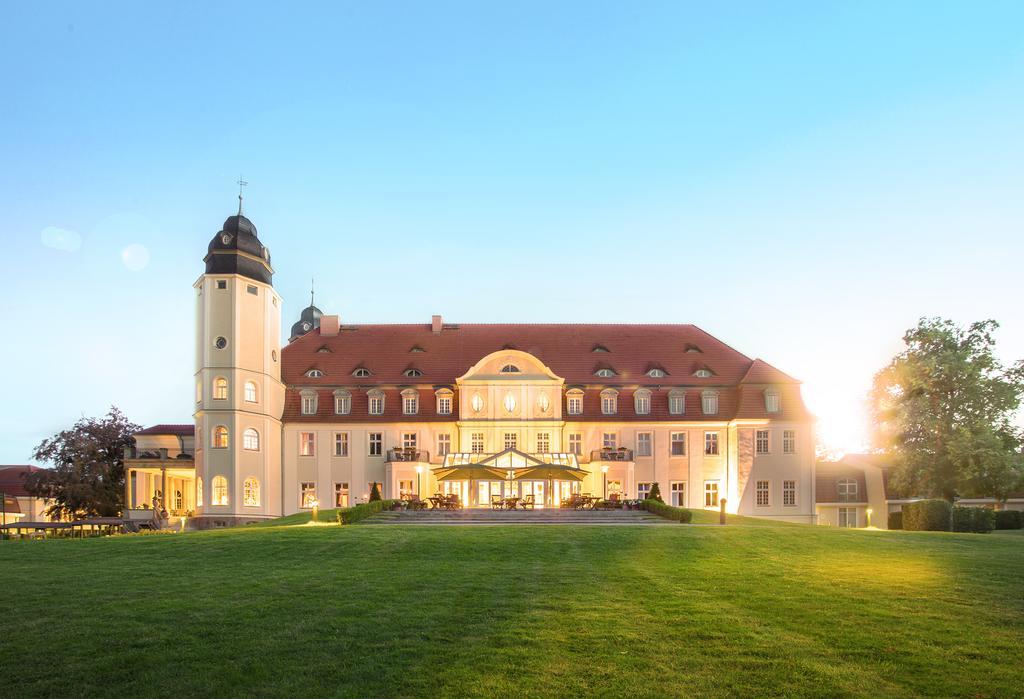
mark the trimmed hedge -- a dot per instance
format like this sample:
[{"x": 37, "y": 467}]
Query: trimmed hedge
[
  {"x": 977, "y": 520},
  {"x": 351, "y": 515},
  {"x": 676, "y": 514},
  {"x": 928, "y": 516},
  {"x": 895, "y": 520},
  {"x": 1009, "y": 519}
]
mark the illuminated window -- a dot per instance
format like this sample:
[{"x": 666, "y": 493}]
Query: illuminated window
[
  {"x": 676, "y": 402},
  {"x": 220, "y": 491},
  {"x": 543, "y": 402},
  {"x": 341, "y": 494},
  {"x": 199, "y": 492},
  {"x": 220, "y": 388},
  {"x": 789, "y": 441},
  {"x": 678, "y": 444},
  {"x": 307, "y": 444},
  {"x": 710, "y": 493},
  {"x": 543, "y": 443},
  {"x": 711, "y": 443},
  {"x": 511, "y": 439},
  {"x": 609, "y": 401},
  {"x": 199, "y": 391},
  {"x": 848, "y": 517},
  {"x": 251, "y": 440},
  {"x": 410, "y": 402},
  {"x": 250, "y": 392},
  {"x": 709, "y": 402},
  {"x": 789, "y": 493},
  {"x": 307, "y": 495},
  {"x": 220, "y": 437},
  {"x": 762, "y": 493},
  {"x": 476, "y": 442},
  {"x": 341, "y": 443},
  {"x": 761, "y": 442},
  {"x": 251, "y": 492},
  {"x": 574, "y": 402},
  {"x": 576, "y": 443},
  {"x": 642, "y": 402},
  {"x": 772, "y": 402},
  {"x": 342, "y": 402},
  {"x": 376, "y": 398},
  {"x": 643, "y": 444},
  {"x": 444, "y": 444},
  {"x": 376, "y": 444},
  {"x": 309, "y": 402}
]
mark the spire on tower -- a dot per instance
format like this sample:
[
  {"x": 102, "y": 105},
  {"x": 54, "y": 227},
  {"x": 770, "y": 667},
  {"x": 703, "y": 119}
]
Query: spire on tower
[
  {"x": 311, "y": 280},
  {"x": 241, "y": 183}
]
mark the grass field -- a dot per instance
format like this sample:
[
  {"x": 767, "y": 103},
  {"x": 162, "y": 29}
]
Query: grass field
[{"x": 503, "y": 611}]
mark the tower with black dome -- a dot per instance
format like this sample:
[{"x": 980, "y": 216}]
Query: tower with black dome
[{"x": 239, "y": 394}]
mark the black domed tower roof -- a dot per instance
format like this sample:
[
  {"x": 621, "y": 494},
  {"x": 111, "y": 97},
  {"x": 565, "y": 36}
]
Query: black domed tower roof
[
  {"x": 309, "y": 319},
  {"x": 236, "y": 250}
]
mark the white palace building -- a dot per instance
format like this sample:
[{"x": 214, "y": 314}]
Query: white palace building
[{"x": 469, "y": 409}]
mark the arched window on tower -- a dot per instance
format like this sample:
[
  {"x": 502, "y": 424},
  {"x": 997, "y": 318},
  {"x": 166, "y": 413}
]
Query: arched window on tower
[
  {"x": 250, "y": 392},
  {"x": 220, "y": 388},
  {"x": 220, "y": 491},
  {"x": 251, "y": 440},
  {"x": 220, "y": 437},
  {"x": 251, "y": 492}
]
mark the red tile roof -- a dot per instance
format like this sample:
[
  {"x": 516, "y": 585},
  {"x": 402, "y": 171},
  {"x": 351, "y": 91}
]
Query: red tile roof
[
  {"x": 179, "y": 430},
  {"x": 12, "y": 479},
  {"x": 566, "y": 349}
]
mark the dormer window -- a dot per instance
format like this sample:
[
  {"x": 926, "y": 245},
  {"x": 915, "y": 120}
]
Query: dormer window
[
  {"x": 676, "y": 402},
  {"x": 309, "y": 402},
  {"x": 599, "y": 348},
  {"x": 413, "y": 373},
  {"x": 410, "y": 401},
  {"x": 692, "y": 349},
  {"x": 342, "y": 402},
  {"x": 656, "y": 373},
  {"x": 605, "y": 373},
  {"x": 703, "y": 374},
  {"x": 642, "y": 402},
  {"x": 314, "y": 373},
  {"x": 376, "y": 402},
  {"x": 574, "y": 402},
  {"x": 709, "y": 402},
  {"x": 609, "y": 401},
  {"x": 362, "y": 373},
  {"x": 772, "y": 401},
  {"x": 444, "y": 401},
  {"x": 324, "y": 350},
  {"x": 510, "y": 369},
  {"x": 416, "y": 348}
]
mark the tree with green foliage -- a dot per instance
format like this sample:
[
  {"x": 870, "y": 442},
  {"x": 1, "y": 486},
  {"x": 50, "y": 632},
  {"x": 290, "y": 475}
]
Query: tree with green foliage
[
  {"x": 375, "y": 492},
  {"x": 944, "y": 410},
  {"x": 655, "y": 492},
  {"x": 87, "y": 474}
]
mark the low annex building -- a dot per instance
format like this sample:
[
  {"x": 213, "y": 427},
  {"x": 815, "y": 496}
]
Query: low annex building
[{"x": 475, "y": 410}]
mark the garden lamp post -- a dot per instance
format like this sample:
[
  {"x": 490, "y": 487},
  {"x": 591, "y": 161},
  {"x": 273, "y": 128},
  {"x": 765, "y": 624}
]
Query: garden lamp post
[
  {"x": 419, "y": 481},
  {"x": 869, "y": 511},
  {"x": 316, "y": 508},
  {"x": 604, "y": 479}
]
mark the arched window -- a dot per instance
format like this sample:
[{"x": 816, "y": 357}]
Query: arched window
[
  {"x": 376, "y": 402},
  {"x": 199, "y": 492},
  {"x": 574, "y": 401},
  {"x": 251, "y": 440},
  {"x": 772, "y": 402},
  {"x": 656, "y": 373},
  {"x": 220, "y": 491},
  {"x": 361, "y": 373},
  {"x": 413, "y": 373},
  {"x": 251, "y": 492},
  {"x": 642, "y": 401},
  {"x": 510, "y": 369},
  {"x": 342, "y": 402},
  {"x": 220, "y": 437},
  {"x": 703, "y": 374},
  {"x": 605, "y": 373},
  {"x": 220, "y": 388},
  {"x": 314, "y": 373},
  {"x": 410, "y": 401},
  {"x": 609, "y": 401},
  {"x": 709, "y": 402},
  {"x": 676, "y": 402},
  {"x": 250, "y": 391}
]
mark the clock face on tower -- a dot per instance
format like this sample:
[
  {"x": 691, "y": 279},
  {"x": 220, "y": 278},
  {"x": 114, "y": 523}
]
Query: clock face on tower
[{"x": 306, "y": 326}]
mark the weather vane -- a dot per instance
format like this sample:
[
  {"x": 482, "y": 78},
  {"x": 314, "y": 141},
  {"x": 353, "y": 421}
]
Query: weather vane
[{"x": 241, "y": 183}]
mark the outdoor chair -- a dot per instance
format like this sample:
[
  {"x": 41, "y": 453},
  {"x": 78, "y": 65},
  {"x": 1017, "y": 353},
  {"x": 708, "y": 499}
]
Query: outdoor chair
[
  {"x": 452, "y": 502},
  {"x": 527, "y": 502},
  {"x": 496, "y": 502}
]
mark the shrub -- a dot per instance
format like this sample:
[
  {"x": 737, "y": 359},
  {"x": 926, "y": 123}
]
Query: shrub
[
  {"x": 928, "y": 516},
  {"x": 655, "y": 492},
  {"x": 375, "y": 493},
  {"x": 676, "y": 514},
  {"x": 895, "y": 520},
  {"x": 978, "y": 520},
  {"x": 1009, "y": 519},
  {"x": 351, "y": 515}
]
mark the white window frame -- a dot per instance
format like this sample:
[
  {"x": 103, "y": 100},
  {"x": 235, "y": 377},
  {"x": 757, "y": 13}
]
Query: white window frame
[
  {"x": 307, "y": 447},
  {"x": 218, "y": 443},
  {"x": 850, "y": 486},
  {"x": 410, "y": 402},
  {"x": 341, "y": 440},
  {"x": 250, "y": 439},
  {"x": 674, "y": 439},
  {"x": 645, "y": 447},
  {"x": 251, "y": 396},
  {"x": 444, "y": 444},
  {"x": 219, "y": 491},
  {"x": 375, "y": 402},
  {"x": 444, "y": 402},
  {"x": 543, "y": 442},
  {"x": 712, "y": 445},
  {"x": 712, "y": 497},
  {"x": 220, "y": 388},
  {"x": 251, "y": 492},
  {"x": 342, "y": 402},
  {"x": 609, "y": 440},
  {"x": 772, "y": 402},
  {"x": 709, "y": 402},
  {"x": 643, "y": 489},
  {"x": 843, "y": 517},
  {"x": 309, "y": 402},
  {"x": 789, "y": 493},
  {"x": 375, "y": 444},
  {"x": 762, "y": 493},
  {"x": 511, "y": 440},
  {"x": 307, "y": 494},
  {"x": 575, "y": 443},
  {"x": 410, "y": 440},
  {"x": 642, "y": 402},
  {"x": 789, "y": 441},
  {"x": 476, "y": 443},
  {"x": 677, "y": 493},
  {"x": 341, "y": 494},
  {"x": 677, "y": 402},
  {"x": 767, "y": 442},
  {"x": 574, "y": 402},
  {"x": 609, "y": 401}
]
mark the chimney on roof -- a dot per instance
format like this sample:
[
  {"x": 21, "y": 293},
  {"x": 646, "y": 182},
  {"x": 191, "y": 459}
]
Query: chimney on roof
[
  {"x": 329, "y": 326},
  {"x": 436, "y": 324}
]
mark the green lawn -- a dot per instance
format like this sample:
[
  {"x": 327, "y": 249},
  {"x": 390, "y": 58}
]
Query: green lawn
[{"x": 502, "y": 611}]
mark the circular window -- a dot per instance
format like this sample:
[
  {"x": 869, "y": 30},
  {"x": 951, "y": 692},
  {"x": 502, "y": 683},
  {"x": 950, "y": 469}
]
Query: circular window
[
  {"x": 273, "y": 355},
  {"x": 477, "y": 402},
  {"x": 220, "y": 342},
  {"x": 509, "y": 403},
  {"x": 306, "y": 326},
  {"x": 226, "y": 239}
]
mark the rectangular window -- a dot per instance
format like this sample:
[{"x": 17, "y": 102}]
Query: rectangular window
[
  {"x": 410, "y": 404},
  {"x": 711, "y": 443},
  {"x": 309, "y": 405},
  {"x": 222, "y": 283},
  {"x": 789, "y": 493},
  {"x": 762, "y": 493},
  {"x": 251, "y": 288},
  {"x": 789, "y": 441},
  {"x": 307, "y": 495},
  {"x": 576, "y": 443},
  {"x": 307, "y": 444},
  {"x": 642, "y": 403},
  {"x": 343, "y": 404},
  {"x": 643, "y": 444},
  {"x": 678, "y": 493},
  {"x": 609, "y": 440},
  {"x": 643, "y": 490},
  {"x": 771, "y": 402},
  {"x": 444, "y": 405},
  {"x": 614, "y": 487},
  {"x": 476, "y": 443},
  {"x": 710, "y": 493},
  {"x": 409, "y": 440},
  {"x": 377, "y": 404},
  {"x": 543, "y": 443},
  {"x": 709, "y": 402},
  {"x": 574, "y": 405},
  {"x": 761, "y": 442},
  {"x": 511, "y": 439},
  {"x": 444, "y": 444},
  {"x": 678, "y": 444},
  {"x": 848, "y": 517},
  {"x": 405, "y": 490},
  {"x": 341, "y": 443},
  {"x": 609, "y": 403},
  {"x": 341, "y": 494},
  {"x": 376, "y": 444},
  {"x": 677, "y": 403}
]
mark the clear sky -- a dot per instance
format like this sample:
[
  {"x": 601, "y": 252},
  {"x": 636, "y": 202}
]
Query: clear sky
[{"x": 802, "y": 180}]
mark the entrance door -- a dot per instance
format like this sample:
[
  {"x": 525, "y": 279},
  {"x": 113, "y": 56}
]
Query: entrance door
[{"x": 534, "y": 488}]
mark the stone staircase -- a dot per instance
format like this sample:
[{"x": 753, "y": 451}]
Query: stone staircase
[{"x": 497, "y": 517}]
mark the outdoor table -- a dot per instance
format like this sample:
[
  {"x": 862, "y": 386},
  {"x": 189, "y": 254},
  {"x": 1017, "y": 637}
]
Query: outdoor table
[
  {"x": 510, "y": 503},
  {"x": 436, "y": 503}
]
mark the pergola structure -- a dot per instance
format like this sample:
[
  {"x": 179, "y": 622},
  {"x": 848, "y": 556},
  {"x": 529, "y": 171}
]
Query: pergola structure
[{"x": 478, "y": 477}]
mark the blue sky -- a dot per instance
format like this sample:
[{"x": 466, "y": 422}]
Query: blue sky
[{"x": 803, "y": 180}]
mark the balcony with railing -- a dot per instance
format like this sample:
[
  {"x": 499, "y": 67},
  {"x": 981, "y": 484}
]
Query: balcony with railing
[
  {"x": 136, "y": 454},
  {"x": 408, "y": 454},
  {"x": 620, "y": 454}
]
